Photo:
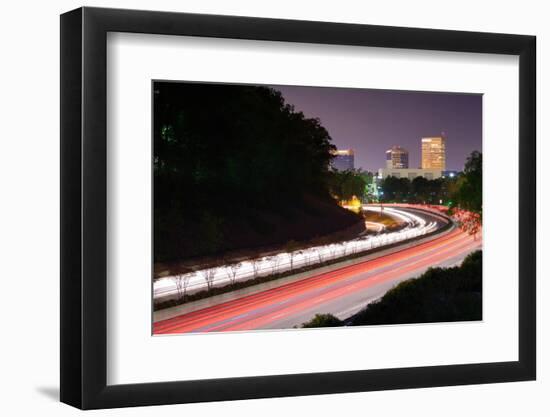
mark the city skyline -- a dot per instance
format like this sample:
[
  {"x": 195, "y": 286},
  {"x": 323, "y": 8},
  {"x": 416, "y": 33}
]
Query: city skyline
[{"x": 372, "y": 121}]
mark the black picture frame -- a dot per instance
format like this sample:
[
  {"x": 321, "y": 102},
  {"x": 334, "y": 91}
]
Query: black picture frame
[{"x": 84, "y": 207}]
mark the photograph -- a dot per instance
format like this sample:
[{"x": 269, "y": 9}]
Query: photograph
[
  {"x": 295, "y": 207},
  {"x": 268, "y": 209}
]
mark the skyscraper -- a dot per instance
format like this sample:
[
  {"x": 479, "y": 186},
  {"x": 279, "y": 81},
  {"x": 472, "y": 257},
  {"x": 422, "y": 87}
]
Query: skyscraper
[
  {"x": 433, "y": 152},
  {"x": 343, "y": 160},
  {"x": 397, "y": 158}
]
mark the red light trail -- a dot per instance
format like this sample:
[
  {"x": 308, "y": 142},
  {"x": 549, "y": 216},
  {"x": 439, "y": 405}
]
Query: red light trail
[{"x": 264, "y": 309}]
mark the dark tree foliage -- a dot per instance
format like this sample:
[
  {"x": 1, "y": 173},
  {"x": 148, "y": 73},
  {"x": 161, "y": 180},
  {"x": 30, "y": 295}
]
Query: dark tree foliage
[
  {"x": 343, "y": 185},
  {"x": 438, "y": 295},
  {"x": 323, "y": 320},
  {"x": 420, "y": 190},
  {"x": 463, "y": 191},
  {"x": 468, "y": 194},
  {"x": 229, "y": 156},
  {"x": 236, "y": 141},
  {"x": 395, "y": 189}
]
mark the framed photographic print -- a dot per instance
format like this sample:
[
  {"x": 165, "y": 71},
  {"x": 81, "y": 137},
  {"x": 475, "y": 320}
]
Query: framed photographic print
[{"x": 257, "y": 208}]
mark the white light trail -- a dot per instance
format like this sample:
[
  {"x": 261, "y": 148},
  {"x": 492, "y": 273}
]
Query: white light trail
[{"x": 276, "y": 264}]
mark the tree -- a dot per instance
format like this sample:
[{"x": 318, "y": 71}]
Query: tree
[
  {"x": 420, "y": 188},
  {"x": 468, "y": 196},
  {"x": 306, "y": 253},
  {"x": 333, "y": 248},
  {"x": 344, "y": 247},
  {"x": 256, "y": 266},
  {"x": 207, "y": 148},
  {"x": 471, "y": 223},
  {"x": 344, "y": 185},
  {"x": 291, "y": 248},
  {"x": 274, "y": 260},
  {"x": 319, "y": 252},
  {"x": 323, "y": 320},
  {"x": 395, "y": 190},
  {"x": 181, "y": 281},
  {"x": 208, "y": 274},
  {"x": 231, "y": 271}
]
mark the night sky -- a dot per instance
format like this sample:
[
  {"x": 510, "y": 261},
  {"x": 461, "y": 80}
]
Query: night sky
[{"x": 371, "y": 121}]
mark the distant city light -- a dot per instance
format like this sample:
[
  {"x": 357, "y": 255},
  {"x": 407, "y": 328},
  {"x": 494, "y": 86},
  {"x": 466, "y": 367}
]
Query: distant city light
[{"x": 346, "y": 152}]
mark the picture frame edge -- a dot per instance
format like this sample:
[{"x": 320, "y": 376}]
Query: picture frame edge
[{"x": 83, "y": 344}]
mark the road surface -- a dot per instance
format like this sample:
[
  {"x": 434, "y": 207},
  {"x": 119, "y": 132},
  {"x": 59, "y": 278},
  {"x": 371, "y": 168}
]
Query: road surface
[
  {"x": 416, "y": 223},
  {"x": 342, "y": 292}
]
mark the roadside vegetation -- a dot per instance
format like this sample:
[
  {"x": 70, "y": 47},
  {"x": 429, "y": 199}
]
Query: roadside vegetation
[
  {"x": 438, "y": 295},
  {"x": 218, "y": 187},
  {"x": 391, "y": 223},
  {"x": 344, "y": 185},
  {"x": 323, "y": 320}
]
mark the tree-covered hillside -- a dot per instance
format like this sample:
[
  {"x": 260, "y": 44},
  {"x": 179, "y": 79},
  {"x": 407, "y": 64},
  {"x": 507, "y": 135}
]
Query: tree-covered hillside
[{"x": 235, "y": 167}]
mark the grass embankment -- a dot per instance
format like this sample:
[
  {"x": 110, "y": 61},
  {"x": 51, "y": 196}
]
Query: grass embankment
[
  {"x": 390, "y": 223},
  {"x": 380, "y": 217},
  {"x": 438, "y": 295},
  {"x": 248, "y": 233}
]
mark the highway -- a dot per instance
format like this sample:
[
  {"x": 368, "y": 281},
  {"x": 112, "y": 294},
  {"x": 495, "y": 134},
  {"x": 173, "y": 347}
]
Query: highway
[
  {"x": 415, "y": 223},
  {"x": 341, "y": 292}
]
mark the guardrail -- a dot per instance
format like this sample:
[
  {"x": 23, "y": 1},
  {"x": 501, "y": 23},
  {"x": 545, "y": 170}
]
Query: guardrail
[{"x": 177, "y": 285}]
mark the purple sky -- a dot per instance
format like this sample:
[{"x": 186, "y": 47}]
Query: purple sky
[{"x": 371, "y": 121}]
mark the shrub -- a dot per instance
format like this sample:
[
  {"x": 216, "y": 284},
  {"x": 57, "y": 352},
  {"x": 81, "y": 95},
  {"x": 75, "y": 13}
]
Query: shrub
[
  {"x": 438, "y": 295},
  {"x": 323, "y": 320}
]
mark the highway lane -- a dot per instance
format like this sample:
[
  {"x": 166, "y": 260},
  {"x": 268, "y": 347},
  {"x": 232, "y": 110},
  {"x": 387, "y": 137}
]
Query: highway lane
[
  {"x": 355, "y": 301},
  {"x": 418, "y": 223},
  {"x": 341, "y": 292}
]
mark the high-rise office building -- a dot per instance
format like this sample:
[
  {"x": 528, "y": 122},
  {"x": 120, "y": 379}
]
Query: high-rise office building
[
  {"x": 433, "y": 152},
  {"x": 397, "y": 158},
  {"x": 343, "y": 160}
]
